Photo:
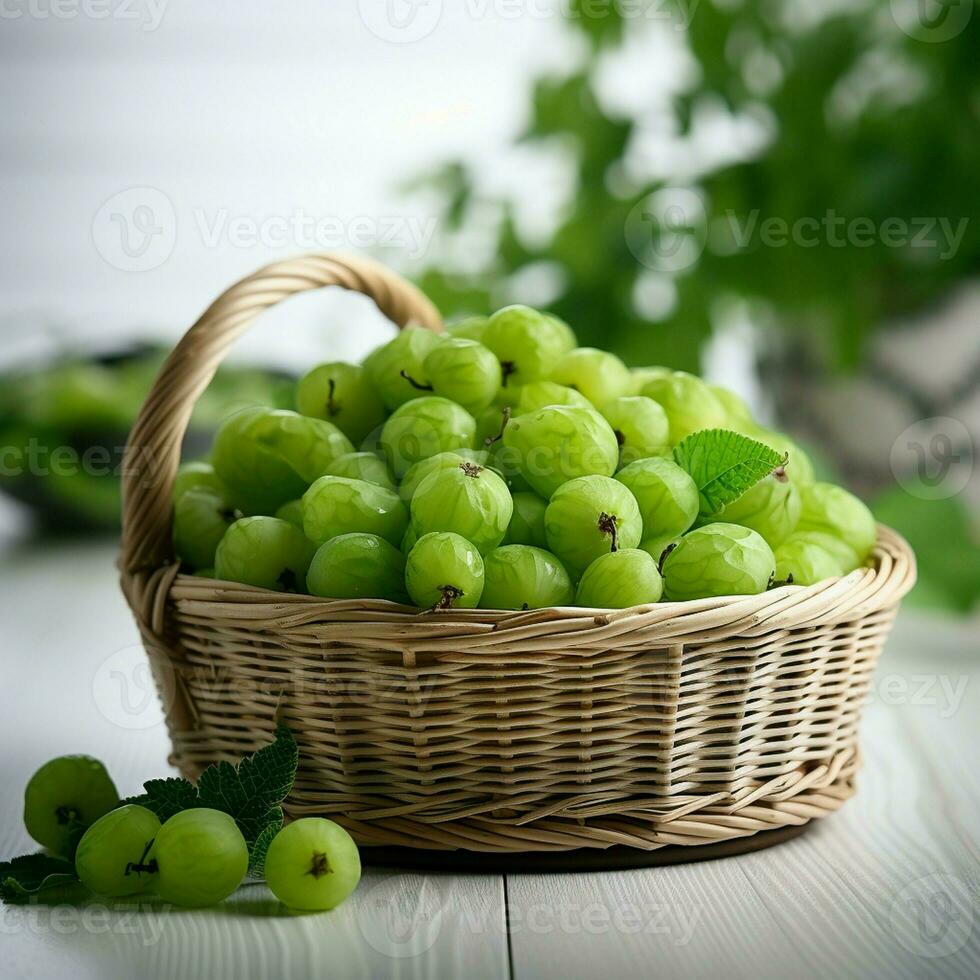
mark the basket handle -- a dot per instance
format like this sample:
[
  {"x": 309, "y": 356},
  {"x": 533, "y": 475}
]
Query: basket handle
[{"x": 154, "y": 444}]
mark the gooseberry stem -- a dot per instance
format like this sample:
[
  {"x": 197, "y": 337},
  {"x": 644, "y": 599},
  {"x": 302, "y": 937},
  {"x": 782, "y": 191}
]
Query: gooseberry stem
[
  {"x": 663, "y": 556},
  {"x": 449, "y": 595},
  {"x": 490, "y": 440},
  {"x": 507, "y": 368},
  {"x": 607, "y": 525},
  {"x": 331, "y": 388},
  {"x": 67, "y": 815},
  {"x": 471, "y": 469},
  {"x": 415, "y": 384},
  {"x": 319, "y": 866},
  {"x": 142, "y": 866}
]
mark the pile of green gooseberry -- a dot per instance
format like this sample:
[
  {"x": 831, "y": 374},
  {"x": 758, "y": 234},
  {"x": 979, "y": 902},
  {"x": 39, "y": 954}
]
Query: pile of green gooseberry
[
  {"x": 501, "y": 466},
  {"x": 195, "y": 858}
]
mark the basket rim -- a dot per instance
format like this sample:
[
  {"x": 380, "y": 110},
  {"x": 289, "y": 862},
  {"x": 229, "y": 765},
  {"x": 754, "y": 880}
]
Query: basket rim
[{"x": 864, "y": 591}]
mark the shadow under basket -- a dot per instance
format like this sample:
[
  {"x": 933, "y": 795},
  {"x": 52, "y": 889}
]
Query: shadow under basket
[{"x": 686, "y": 723}]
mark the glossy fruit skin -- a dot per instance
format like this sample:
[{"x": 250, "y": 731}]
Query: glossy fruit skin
[
  {"x": 640, "y": 425},
  {"x": 201, "y": 518},
  {"x": 640, "y": 376},
  {"x": 202, "y": 858},
  {"x": 519, "y": 576},
  {"x": 423, "y": 427},
  {"x": 406, "y": 352},
  {"x": 114, "y": 854},
  {"x": 408, "y": 540},
  {"x": 597, "y": 374},
  {"x": 465, "y": 372},
  {"x": 833, "y": 510},
  {"x": 335, "y": 505},
  {"x": 576, "y": 518},
  {"x": 738, "y": 413},
  {"x": 417, "y": 472},
  {"x": 806, "y": 562},
  {"x": 842, "y": 553},
  {"x": 469, "y": 500},
  {"x": 619, "y": 580},
  {"x": 667, "y": 495},
  {"x": 312, "y": 864},
  {"x": 362, "y": 466},
  {"x": 292, "y": 512},
  {"x": 65, "y": 795},
  {"x": 342, "y": 394},
  {"x": 718, "y": 560},
  {"x": 197, "y": 474},
  {"x": 566, "y": 336},
  {"x": 559, "y": 443},
  {"x": 689, "y": 403},
  {"x": 772, "y": 507},
  {"x": 358, "y": 566},
  {"x": 527, "y": 521},
  {"x": 265, "y": 552},
  {"x": 470, "y": 328},
  {"x": 527, "y": 343},
  {"x": 443, "y": 561},
  {"x": 539, "y": 394},
  {"x": 267, "y": 457}
]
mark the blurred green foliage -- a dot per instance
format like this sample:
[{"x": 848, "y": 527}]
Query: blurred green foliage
[
  {"x": 864, "y": 126},
  {"x": 865, "y": 123}
]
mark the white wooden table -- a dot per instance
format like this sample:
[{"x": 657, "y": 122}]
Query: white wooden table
[{"x": 888, "y": 887}]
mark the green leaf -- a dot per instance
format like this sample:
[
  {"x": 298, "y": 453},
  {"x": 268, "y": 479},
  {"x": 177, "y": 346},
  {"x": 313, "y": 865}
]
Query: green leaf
[
  {"x": 256, "y": 857},
  {"x": 23, "y": 878},
  {"x": 252, "y": 791},
  {"x": 724, "y": 465},
  {"x": 165, "y": 797}
]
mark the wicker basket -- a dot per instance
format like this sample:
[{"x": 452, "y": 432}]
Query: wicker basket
[{"x": 677, "y": 723}]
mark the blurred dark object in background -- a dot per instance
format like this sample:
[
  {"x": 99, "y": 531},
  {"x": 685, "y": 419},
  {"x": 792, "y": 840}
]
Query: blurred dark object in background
[
  {"x": 803, "y": 176},
  {"x": 63, "y": 428}
]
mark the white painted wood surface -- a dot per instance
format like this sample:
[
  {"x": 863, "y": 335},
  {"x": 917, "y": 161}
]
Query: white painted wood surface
[{"x": 877, "y": 890}]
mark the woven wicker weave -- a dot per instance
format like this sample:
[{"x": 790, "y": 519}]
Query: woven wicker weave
[{"x": 675, "y": 723}]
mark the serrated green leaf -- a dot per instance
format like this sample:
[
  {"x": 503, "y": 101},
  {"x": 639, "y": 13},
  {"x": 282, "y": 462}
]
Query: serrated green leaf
[
  {"x": 23, "y": 878},
  {"x": 724, "y": 465},
  {"x": 252, "y": 791},
  {"x": 256, "y": 857},
  {"x": 165, "y": 797}
]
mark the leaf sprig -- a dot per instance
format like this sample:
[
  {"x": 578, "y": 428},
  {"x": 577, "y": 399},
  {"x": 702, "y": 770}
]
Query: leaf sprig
[{"x": 251, "y": 792}]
